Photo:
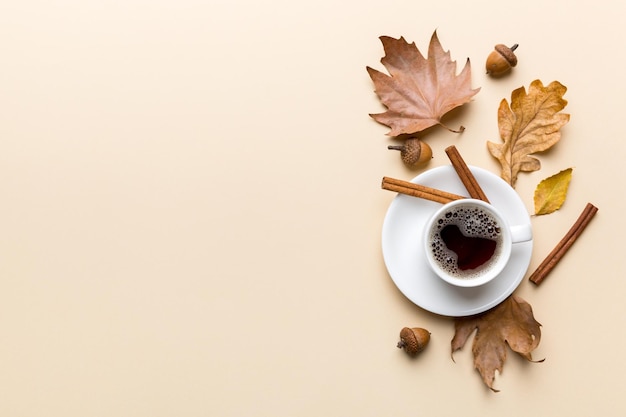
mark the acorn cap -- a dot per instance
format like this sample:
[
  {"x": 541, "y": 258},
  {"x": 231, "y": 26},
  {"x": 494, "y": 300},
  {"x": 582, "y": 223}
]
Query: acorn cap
[{"x": 507, "y": 53}]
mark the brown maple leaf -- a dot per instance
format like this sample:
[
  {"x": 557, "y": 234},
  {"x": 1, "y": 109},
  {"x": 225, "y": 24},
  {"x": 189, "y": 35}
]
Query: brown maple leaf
[
  {"x": 418, "y": 91},
  {"x": 530, "y": 125},
  {"x": 511, "y": 322}
]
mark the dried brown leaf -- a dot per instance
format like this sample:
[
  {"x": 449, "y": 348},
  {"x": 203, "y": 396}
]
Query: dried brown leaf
[
  {"x": 551, "y": 192},
  {"x": 511, "y": 322},
  {"x": 530, "y": 125},
  {"x": 418, "y": 91}
]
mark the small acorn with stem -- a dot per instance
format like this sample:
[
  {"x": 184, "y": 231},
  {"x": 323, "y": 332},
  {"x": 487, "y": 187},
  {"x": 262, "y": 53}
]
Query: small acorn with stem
[
  {"x": 413, "y": 152},
  {"x": 501, "y": 60},
  {"x": 413, "y": 340}
]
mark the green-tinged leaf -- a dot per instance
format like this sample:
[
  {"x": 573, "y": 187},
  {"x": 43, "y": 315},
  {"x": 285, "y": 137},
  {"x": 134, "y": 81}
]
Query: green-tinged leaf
[{"x": 551, "y": 192}]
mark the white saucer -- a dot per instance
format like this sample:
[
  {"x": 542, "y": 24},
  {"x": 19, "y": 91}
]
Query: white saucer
[{"x": 404, "y": 255}]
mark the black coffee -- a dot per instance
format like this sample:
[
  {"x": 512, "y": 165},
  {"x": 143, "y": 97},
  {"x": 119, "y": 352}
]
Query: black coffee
[{"x": 466, "y": 241}]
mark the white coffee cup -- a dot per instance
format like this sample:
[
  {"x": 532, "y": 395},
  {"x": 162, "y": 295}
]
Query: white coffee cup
[{"x": 480, "y": 241}]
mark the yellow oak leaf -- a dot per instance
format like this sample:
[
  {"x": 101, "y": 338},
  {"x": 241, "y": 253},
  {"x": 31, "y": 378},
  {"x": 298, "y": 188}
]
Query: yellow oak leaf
[
  {"x": 551, "y": 192},
  {"x": 531, "y": 124}
]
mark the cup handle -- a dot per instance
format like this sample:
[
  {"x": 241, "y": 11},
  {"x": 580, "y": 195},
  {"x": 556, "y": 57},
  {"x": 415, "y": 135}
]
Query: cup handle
[{"x": 521, "y": 233}]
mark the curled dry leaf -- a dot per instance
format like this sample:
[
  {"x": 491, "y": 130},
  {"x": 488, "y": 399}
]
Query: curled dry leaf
[
  {"x": 530, "y": 125},
  {"x": 511, "y": 322},
  {"x": 418, "y": 91},
  {"x": 551, "y": 192}
]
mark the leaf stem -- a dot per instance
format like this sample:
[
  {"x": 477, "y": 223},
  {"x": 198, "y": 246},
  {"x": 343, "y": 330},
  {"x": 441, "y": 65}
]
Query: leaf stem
[{"x": 460, "y": 130}]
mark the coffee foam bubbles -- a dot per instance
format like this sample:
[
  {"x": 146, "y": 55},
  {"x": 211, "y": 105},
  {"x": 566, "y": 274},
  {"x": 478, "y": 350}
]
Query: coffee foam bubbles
[{"x": 473, "y": 222}]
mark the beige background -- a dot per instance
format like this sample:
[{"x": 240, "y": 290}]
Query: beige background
[{"x": 191, "y": 209}]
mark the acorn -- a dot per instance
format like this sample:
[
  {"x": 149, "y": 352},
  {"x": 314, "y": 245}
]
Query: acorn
[
  {"x": 501, "y": 60},
  {"x": 413, "y": 152},
  {"x": 413, "y": 340}
]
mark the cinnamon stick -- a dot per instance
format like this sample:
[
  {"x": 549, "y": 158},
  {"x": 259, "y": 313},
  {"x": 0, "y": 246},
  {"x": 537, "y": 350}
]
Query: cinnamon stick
[
  {"x": 563, "y": 246},
  {"x": 464, "y": 173},
  {"x": 417, "y": 190}
]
